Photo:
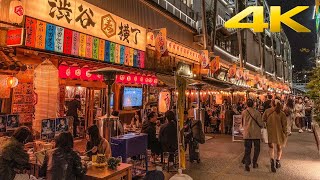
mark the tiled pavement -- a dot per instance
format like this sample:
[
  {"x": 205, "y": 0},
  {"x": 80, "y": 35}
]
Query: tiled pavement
[{"x": 221, "y": 159}]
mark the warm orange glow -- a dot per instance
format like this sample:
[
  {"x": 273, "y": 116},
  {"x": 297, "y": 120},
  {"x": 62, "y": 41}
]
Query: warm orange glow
[{"x": 12, "y": 82}]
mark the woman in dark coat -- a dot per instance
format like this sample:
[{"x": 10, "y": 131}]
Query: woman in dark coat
[
  {"x": 13, "y": 157},
  {"x": 62, "y": 162}
]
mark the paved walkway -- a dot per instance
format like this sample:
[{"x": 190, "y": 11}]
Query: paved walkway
[{"x": 221, "y": 159}]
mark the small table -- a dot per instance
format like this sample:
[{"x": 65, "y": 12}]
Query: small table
[
  {"x": 130, "y": 145},
  {"x": 95, "y": 173}
]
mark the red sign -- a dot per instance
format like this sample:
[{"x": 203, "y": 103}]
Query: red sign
[
  {"x": 136, "y": 79},
  {"x": 15, "y": 37},
  {"x": 18, "y": 10}
]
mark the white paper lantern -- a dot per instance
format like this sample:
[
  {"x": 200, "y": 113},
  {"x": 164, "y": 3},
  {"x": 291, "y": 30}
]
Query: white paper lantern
[{"x": 16, "y": 11}]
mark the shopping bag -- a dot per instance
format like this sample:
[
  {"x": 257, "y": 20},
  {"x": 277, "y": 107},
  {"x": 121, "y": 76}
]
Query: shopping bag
[
  {"x": 264, "y": 135},
  {"x": 22, "y": 177}
]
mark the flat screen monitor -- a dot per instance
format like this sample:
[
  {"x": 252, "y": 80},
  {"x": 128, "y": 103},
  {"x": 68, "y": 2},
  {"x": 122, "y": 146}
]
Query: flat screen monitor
[{"x": 132, "y": 97}]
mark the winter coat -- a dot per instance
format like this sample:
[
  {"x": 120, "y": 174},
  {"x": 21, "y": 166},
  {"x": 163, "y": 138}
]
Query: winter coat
[
  {"x": 168, "y": 137},
  {"x": 276, "y": 126},
  {"x": 150, "y": 129},
  {"x": 62, "y": 164},
  {"x": 12, "y": 157},
  {"x": 252, "y": 129}
]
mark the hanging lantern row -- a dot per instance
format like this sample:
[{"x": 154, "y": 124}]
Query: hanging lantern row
[
  {"x": 137, "y": 79},
  {"x": 75, "y": 72}
]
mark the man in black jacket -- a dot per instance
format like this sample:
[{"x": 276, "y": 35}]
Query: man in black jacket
[
  {"x": 149, "y": 127},
  {"x": 267, "y": 104}
]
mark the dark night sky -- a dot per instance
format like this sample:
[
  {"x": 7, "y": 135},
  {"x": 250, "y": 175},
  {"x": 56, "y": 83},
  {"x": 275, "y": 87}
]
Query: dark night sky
[{"x": 300, "y": 40}]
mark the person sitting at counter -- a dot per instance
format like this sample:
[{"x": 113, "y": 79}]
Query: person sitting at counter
[
  {"x": 149, "y": 127},
  {"x": 13, "y": 157},
  {"x": 62, "y": 162},
  {"x": 97, "y": 144},
  {"x": 136, "y": 120}
]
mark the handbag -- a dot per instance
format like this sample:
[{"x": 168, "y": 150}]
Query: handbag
[
  {"x": 264, "y": 131},
  {"x": 22, "y": 177}
]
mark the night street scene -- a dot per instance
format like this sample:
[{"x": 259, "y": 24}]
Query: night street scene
[{"x": 159, "y": 90}]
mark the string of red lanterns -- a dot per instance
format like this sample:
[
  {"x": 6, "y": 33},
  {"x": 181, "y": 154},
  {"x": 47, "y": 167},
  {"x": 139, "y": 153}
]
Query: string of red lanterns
[{"x": 75, "y": 72}]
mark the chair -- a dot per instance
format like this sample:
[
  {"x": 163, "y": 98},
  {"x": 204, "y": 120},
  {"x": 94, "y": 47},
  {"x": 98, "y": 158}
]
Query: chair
[{"x": 170, "y": 157}]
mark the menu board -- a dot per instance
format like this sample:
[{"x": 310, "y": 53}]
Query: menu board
[{"x": 23, "y": 101}]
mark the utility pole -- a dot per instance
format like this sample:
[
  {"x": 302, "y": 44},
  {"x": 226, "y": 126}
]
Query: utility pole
[
  {"x": 204, "y": 25},
  {"x": 239, "y": 36},
  {"x": 214, "y": 24}
]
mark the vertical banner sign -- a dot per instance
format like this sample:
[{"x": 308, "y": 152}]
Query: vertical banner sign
[
  {"x": 161, "y": 42},
  {"x": 75, "y": 43},
  {"x": 131, "y": 57},
  {"x": 58, "y": 43},
  {"x": 122, "y": 54},
  {"x": 204, "y": 59},
  {"x": 246, "y": 75},
  {"x": 82, "y": 45},
  {"x": 50, "y": 36},
  {"x": 117, "y": 54},
  {"x": 89, "y": 47},
  {"x": 142, "y": 54},
  {"x": 239, "y": 73},
  {"x": 41, "y": 35},
  {"x": 232, "y": 71},
  {"x": 215, "y": 65},
  {"x": 112, "y": 47},
  {"x": 134, "y": 58},
  {"x": 127, "y": 56},
  {"x": 237, "y": 130},
  {"x": 101, "y": 49},
  {"x": 67, "y": 41},
  {"x": 107, "y": 52},
  {"x": 31, "y": 25},
  {"x": 95, "y": 48},
  {"x": 181, "y": 88}
]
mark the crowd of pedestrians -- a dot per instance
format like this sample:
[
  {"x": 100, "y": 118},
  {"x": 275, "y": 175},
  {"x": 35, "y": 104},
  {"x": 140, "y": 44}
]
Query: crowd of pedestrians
[{"x": 278, "y": 117}]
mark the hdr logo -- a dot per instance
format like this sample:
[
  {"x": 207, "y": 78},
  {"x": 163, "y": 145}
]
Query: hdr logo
[{"x": 276, "y": 18}]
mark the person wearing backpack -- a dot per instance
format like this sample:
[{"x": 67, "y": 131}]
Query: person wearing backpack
[
  {"x": 252, "y": 125},
  {"x": 277, "y": 132}
]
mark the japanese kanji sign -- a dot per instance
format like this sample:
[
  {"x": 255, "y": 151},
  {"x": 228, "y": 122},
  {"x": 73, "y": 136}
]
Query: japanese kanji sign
[{"x": 85, "y": 18}]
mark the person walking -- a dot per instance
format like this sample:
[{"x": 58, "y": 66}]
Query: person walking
[
  {"x": 252, "y": 124},
  {"x": 308, "y": 114},
  {"x": 289, "y": 111},
  {"x": 277, "y": 131},
  {"x": 299, "y": 112}
]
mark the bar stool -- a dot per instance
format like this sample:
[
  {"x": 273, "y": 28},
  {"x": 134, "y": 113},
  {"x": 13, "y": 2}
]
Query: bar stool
[{"x": 170, "y": 157}]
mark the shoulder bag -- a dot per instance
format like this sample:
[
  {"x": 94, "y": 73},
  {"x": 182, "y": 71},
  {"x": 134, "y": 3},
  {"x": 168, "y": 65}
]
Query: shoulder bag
[{"x": 264, "y": 132}]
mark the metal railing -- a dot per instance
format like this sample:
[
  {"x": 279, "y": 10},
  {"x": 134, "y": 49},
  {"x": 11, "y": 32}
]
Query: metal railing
[
  {"x": 221, "y": 22},
  {"x": 181, "y": 15}
]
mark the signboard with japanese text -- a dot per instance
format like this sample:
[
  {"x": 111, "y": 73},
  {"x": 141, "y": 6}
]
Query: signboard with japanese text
[
  {"x": 14, "y": 37},
  {"x": 81, "y": 16},
  {"x": 50, "y": 37}
]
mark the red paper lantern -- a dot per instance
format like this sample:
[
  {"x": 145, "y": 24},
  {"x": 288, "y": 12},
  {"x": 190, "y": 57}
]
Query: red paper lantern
[
  {"x": 85, "y": 75},
  {"x": 141, "y": 79},
  {"x": 64, "y": 70},
  {"x": 135, "y": 79},
  {"x": 75, "y": 71},
  {"x": 128, "y": 79}
]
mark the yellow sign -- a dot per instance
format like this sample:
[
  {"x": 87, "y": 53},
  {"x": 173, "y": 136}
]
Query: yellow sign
[
  {"x": 181, "y": 87},
  {"x": 276, "y": 18},
  {"x": 81, "y": 16}
]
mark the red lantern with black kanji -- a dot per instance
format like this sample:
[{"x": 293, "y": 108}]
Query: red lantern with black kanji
[{"x": 64, "y": 71}]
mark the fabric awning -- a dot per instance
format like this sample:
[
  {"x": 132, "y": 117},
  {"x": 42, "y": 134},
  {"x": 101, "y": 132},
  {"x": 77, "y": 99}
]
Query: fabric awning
[
  {"x": 168, "y": 81},
  {"x": 217, "y": 83}
]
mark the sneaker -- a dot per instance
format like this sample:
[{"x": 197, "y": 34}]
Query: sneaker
[
  {"x": 278, "y": 165},
  {"x": 255, "y": 165},
  {"x": 289, "y": 134},
  {"x": 300, "y": 131},
  {"x": 309, "y": 130}
]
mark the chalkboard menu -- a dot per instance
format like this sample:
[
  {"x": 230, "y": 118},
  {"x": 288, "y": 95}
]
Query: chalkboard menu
[{"x": 23, "y": 102}]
